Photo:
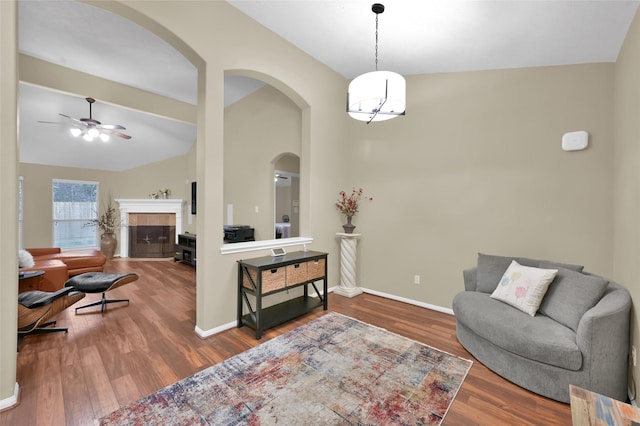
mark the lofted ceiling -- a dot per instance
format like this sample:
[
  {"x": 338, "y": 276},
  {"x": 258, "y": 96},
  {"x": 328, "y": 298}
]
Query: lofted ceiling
[
  {"x": 415, "y": 37},
  {"x": 71, "y": 34},
  {"x": 433, "y": 36}
]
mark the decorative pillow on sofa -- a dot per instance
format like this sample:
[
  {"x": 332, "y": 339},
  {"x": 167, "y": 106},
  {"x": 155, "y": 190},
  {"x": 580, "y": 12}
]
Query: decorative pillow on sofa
[
  {"x": 570, "y": 295},
  {"x": 25, "y": 259},
  {"x": 523, "y": 287}
]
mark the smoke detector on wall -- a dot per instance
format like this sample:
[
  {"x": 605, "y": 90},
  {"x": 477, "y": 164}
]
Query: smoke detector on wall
[{"x": 575, "y": 141}]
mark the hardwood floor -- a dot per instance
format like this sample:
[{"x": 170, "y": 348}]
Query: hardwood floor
[{"x": 108, "y": 361}]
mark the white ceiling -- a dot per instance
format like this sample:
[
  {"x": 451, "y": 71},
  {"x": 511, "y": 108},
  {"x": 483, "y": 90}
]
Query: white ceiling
[
  {"x": 71, "y": 34},
  {"x": 415, "y": 37},
  {"x": 432, "y": 36}
]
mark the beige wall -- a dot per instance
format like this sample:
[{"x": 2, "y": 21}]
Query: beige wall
[
  {"x": 226, "y": 41},
  {"x": 257, "y": 130},
  {"x": 37, "y": 199},
  {"x": 217, "y": 39},
  {"x": 175, "y": 174},
  {"x": 9, "y": 197},
  {"x": 476, "y": 166},
  {"x": 626, "y": 176}
]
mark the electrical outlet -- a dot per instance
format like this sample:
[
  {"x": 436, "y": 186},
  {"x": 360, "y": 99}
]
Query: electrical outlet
[
  {"x": 633, "y": 355},
  {"x": 416, "y": 279}
]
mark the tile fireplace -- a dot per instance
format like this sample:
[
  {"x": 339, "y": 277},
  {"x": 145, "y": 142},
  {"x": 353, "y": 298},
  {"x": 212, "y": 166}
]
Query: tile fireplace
[{"x": 149, "y": 222}]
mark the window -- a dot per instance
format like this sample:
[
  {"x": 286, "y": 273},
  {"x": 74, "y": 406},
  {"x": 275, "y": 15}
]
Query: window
[{"x": 74, "y": 204}]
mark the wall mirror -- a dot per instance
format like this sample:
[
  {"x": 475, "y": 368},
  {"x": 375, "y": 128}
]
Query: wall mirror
[
  {"x": 286, "y": 181},
  {"x": 262, "y": 137}
]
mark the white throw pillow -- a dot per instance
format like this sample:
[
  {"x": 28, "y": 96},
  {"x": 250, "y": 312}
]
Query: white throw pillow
[
  {"x": 523, "y": 287},
  {"x": 25, "y": 260}
]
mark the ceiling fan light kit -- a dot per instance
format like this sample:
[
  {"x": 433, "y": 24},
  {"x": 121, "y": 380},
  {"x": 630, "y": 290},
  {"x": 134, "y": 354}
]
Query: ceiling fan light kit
[
  {"x": 376, "y": 95},
  {"x": 91, "y": 129}
]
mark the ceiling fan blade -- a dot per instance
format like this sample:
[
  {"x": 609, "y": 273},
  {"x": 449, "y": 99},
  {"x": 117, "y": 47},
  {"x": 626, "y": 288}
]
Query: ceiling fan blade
[
  {"x": 112, "y": 127},
  {"x": 114, "y": 133},
  {"x": 53, "y": 122},
  {"x": 71, "y": 118}
]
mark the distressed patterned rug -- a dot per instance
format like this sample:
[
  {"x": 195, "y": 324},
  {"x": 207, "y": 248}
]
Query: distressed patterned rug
[{"x": 334, "y": 370}]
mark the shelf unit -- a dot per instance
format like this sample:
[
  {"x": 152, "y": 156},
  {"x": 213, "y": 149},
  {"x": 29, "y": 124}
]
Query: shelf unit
[
  {"x": 186, "y": 249},
  {"x": 265, "y": 276}
]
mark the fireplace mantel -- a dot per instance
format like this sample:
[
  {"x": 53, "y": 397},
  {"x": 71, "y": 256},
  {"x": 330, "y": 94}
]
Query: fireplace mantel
[{"x": 146, "y": 205}]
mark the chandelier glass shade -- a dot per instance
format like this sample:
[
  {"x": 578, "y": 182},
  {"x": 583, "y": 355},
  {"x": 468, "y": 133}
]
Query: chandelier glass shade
[{"x": 377, "y": 95}]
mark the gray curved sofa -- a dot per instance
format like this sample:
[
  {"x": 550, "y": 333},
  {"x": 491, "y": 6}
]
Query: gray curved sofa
[{"x": 579, "y": 336}]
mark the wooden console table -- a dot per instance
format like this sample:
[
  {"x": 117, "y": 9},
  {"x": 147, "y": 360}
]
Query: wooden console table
[{"x": 268, "y": 275}]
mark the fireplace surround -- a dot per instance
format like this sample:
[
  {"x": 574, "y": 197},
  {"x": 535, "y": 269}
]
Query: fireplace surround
[{"x": 127, "y": 206}]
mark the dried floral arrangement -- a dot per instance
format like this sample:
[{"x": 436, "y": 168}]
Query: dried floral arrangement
[{"x": 348, "y": 204}]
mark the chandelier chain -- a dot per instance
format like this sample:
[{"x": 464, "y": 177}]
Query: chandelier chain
[{"x": 376, "y": 42}]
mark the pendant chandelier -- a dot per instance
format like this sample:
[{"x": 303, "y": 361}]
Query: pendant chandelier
[{"x": 376, "y": 95}]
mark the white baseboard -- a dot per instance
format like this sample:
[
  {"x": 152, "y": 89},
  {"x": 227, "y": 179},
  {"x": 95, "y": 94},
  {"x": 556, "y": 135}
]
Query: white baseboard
[
  {"x": 207, "y": 333},
  {"x": 12, "y": 400},
  {"x": 409, "y": 301}
]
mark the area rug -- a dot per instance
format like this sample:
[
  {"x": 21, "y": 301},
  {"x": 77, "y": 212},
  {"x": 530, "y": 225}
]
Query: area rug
[{"x": 334, "y": 370}]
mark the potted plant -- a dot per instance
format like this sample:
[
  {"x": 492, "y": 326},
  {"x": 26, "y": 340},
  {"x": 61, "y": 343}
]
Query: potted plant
[
  {"x": 108, "y": 222},
  {"x": 348, "y": 205}
]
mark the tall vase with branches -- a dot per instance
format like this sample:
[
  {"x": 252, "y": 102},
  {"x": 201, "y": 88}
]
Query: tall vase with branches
[
  {"x": 348, "y": 205},
  {"x": 108, "y": 222}
]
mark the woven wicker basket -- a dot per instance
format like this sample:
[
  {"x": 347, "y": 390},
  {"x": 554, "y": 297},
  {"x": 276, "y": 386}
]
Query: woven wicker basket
[
  {"x": 245, "y": 280},
  {"x": 273, "y": 279},
  {"x": 296, "y": 273},
  {"x": 315, "y": 269}
]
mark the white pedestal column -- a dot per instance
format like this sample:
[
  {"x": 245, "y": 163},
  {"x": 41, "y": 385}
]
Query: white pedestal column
[{"x": 348, "y": 255}]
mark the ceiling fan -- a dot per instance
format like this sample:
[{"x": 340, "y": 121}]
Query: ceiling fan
[{"x": 89, "y": 128}]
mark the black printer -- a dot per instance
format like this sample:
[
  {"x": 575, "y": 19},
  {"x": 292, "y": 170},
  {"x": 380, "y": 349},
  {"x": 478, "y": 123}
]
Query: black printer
[{"x": 238, "y": 233}]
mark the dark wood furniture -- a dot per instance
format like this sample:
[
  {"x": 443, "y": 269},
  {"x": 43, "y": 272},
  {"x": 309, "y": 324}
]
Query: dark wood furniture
[
  {"x": 35, "y": 309},
  {"x": 29, "y": 280},
  {"x": 186, "y": 249},
  {"x": 268, "y": 275}
]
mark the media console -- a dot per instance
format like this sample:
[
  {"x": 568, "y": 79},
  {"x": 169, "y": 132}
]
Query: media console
[{"x": 186, "y": 249}]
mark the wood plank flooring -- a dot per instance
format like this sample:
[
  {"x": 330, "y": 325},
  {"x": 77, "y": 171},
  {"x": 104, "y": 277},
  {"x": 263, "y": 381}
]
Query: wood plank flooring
[{"x": 108, "y": 361}]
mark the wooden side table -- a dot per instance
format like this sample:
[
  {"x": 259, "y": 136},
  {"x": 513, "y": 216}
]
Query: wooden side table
[
  {"x": 592, "y": 409},
  {"x": 29, "y": 280}
]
